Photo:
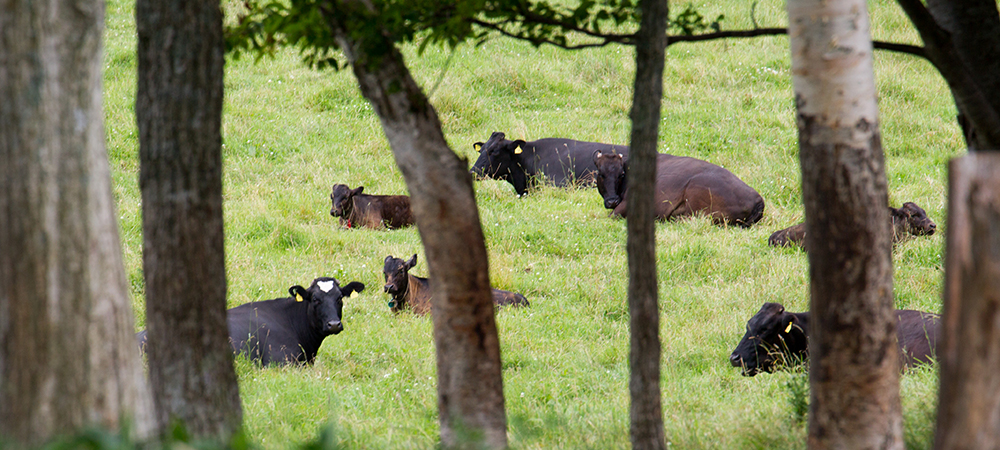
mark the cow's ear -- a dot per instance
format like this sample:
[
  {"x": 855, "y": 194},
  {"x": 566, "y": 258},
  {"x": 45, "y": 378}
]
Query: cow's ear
[
  {"x": 387, "y": 259},
  {"x": 597, "y": 155},
  {"x": 518, "y": 147},
  {"x": 478, "y": 146},
  {"x": 299, "y": 293},
  {"x": 413, "y": 261},
  {"x": 351, "y": 288},
  {"x": 358, "y": 190}
]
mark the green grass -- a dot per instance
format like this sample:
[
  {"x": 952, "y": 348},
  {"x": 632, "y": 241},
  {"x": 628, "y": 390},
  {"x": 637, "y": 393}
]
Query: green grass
[{"x": 290, "y": 133}]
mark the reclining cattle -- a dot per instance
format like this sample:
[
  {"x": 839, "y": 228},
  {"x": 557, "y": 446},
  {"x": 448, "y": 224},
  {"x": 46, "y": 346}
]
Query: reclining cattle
[
  {"x": 553, "y": 160},
  {"x": 909, "y": 220},
  {"x": 415, "y": 292},
  {"x": 286, "y": 330},
  {"x": 774, "y": 333},
  {"x": 684, "y": 187},
  {"x": 372, "y": 211}
]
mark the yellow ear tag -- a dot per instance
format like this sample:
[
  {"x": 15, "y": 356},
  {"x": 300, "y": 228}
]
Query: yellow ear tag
[
  {"x": 298, "y": 297},
  {"x": 478, "y": 147},
  {"x": 788, "y": 328},
  {"x": 517, "y": 151}
]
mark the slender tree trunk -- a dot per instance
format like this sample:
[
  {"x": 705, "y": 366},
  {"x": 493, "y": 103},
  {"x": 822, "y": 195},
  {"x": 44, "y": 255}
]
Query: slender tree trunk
[
  {"x": 179, "y": 113},
  {"x": 969, "y": 353},
  {"x": 470, "y": 386},
  {"x": 854, "y": 369},
  {"x": 68, "y": 357},
  {"x": 646, "y": 411}
]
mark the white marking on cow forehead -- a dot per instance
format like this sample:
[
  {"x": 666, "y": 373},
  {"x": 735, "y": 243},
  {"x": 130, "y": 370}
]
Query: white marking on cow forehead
[{"x": 325, "y": 285}]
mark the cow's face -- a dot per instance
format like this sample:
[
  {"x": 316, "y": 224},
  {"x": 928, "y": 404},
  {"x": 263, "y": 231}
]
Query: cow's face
[
  {"x": 341, "y": 197},
  {"x": 325, "y": 300},
  {"x": 771, "y": 332},
  {"x": 610, "y": 177},
  {"x": 501, "y": 159},
  {"x": 396, "y": 273},
  {"x": 915, "y": 220}
]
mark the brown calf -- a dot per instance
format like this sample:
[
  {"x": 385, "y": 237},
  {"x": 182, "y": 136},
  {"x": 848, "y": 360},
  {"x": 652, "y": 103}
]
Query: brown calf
[
  {"x": 372, "y": 211},
  {"x": 908, "y": 220},
  {"x": 415, "y": 292}
]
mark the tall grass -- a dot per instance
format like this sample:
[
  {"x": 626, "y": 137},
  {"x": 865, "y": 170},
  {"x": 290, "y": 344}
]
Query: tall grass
[{"x": 290, "y": 133}]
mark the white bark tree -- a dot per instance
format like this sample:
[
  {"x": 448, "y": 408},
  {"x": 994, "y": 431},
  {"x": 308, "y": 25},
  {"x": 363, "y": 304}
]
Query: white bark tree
[{"x": 854, "y": 361}]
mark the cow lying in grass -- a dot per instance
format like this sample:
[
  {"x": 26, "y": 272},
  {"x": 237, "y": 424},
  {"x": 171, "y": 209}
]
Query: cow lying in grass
[
  {"x": 683, "y": 187},
  {"x": 774, "y": 334},
  {"x": 371, "y": 211},
  {"x": 286, "y": 330},
  {"x": 413, "y": 292},
  {"x": 909, "y": 220}
]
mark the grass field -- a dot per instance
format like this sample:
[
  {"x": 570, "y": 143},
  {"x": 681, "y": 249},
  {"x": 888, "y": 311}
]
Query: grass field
[{"x": 291, "y": 133}]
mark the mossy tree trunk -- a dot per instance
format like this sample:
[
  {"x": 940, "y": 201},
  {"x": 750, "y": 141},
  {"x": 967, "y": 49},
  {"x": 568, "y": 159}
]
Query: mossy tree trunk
[
  {"x": 969, "y": 352},
  {"x": 646, "y": 411},
  {"x": 854, "y": 360},
  {"x": 179, "y": 113},
  {"x": 68, "y": 356},
  {"x": 470, "y": 385}
]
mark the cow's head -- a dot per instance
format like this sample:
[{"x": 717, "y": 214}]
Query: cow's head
[
  {"x": 610, "y": 177},
  {"x": 771, "y": 333},
  {"x": 325, "y": 300},
  {"x": 502, "y": 159},
  {"x": 342, "y": 197},
  {"x": 912, "y": 219},
  {"x": 397, "y": 280}
]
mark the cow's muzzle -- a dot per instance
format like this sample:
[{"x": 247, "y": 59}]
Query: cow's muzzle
[
  {"x": 612, "y": 202},
  {"x": 334, "y": 327}
]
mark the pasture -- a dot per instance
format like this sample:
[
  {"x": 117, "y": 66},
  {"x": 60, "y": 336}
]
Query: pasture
[{"x": 290, "y": 133}]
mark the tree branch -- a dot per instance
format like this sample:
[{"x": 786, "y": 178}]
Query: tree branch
[{"x": 757, "y": 32}]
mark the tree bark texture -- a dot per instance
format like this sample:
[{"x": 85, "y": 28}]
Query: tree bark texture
[
  {"x": 179, "y": 113},
  {"x": 68, "y": 357},
  {"x": 854, "y": 369},
  {"x": 470, "y": 384},
  {"x": 962, "y": 39},
  {"x": 969, "y": 395},
  {"x": 646, "y": 411}
]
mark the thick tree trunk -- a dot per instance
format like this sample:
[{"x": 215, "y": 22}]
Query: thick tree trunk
[
  {"x": 962, "y": 38},
  {"x": 644, "y": 357},
  {"x": 854, "y": 370},
  {"x": 68, "y": 357},
  {"x": 179, "y": 113},
  {"x": 969, "y": 397},
  {"x": 470, "y": 386}
]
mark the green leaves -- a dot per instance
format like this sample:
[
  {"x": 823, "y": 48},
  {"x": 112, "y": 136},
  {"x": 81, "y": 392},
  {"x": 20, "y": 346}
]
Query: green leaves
[{"x": 690, "y": 21}]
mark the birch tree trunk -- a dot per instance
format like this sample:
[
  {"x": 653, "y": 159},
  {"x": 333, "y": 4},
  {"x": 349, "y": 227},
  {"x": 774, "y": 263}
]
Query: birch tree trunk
[
  {"x": 646, "y": 411},
  {"x": 68, "y": 356},
  {"x": 470, "y": 385},
  {"x": 854, "y": 360},
  {"x": 969, "y": 352},
  {"x": 179, "y": 113}
]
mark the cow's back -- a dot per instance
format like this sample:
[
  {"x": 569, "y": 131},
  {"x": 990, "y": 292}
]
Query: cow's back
[
  {"x": 566, "y": 161},
  {"x": 507, "y": 298},
  {"x": 917, "y": 332},
  {"x": 263, "y": 334},
  {"x": 686, "y": 186}
]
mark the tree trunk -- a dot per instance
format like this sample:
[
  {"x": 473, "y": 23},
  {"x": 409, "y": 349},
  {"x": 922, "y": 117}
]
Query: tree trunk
[
  {"x": 962, "y": 38},
  {"x": 470, "y": 386},
  {"x": 179, "y": 113},
  {"x": 68, "y": 356},
  {"x": 854, "y": 369},
  {"x": 969, "y": 353},
  {"x": 646, "y": 412}
]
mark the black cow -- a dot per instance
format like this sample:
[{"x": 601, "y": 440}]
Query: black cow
[
  {"x": 554, "y": 160},
  {"x": 290, "y": 329},
  {"x": 773, "y": 333},
  {"x": 908, "y": 220},
  {"x": 372, "y": 211},
  {"x": 684, "y": 187},
  {"x": 415, "y": 292}
]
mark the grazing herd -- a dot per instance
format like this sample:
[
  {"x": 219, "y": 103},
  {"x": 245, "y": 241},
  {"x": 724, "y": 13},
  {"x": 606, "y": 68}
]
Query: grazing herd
[{"x": 286, "y": 330}]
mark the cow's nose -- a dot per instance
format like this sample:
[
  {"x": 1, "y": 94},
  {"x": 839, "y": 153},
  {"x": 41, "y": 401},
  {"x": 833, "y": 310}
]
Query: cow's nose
[
  {"x": 387, "y": 287},
  {"x": 735, "y": 360},
  {"x": 612, "y": 202},
  {"x": 334, "y": 326}
]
